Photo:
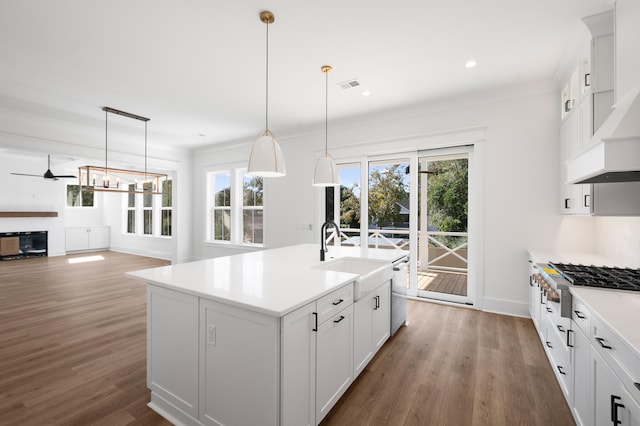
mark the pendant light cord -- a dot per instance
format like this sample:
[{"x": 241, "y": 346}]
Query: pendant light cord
[
  {"x": 266, "y": 119},
  {"x": 145, "y": 151},
  {"x": 106, "y": 139},
  {"x": 326, "y": 112}
]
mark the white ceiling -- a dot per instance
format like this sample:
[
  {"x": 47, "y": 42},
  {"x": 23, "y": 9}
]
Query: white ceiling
[{"x": 197, "y": 67}]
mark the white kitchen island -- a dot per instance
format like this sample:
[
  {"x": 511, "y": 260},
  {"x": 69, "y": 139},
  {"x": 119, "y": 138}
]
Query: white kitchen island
[{"x": 264, "y": 338}]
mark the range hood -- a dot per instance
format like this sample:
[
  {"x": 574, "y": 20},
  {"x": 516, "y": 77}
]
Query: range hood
[{"x": 614, "y": 152}]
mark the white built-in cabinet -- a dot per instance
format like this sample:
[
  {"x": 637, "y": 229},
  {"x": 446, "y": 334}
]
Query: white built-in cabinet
[
  {"x": 211, "y": 363},
  {"x": 317, "y": 357},
  {"x": 87, "y": 238},
  {"x": 239, "y": 356},
  {"x": 587, "y": 99},
  {"x": 371, "y": 325}
]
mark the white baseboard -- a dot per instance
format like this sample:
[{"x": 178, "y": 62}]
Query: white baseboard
[
  {"x": 155, "y": 255},
  {"x": 506, "y": 307}
]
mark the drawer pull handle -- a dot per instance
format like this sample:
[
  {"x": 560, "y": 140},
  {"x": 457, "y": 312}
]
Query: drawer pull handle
[
  {"x": 339, "y": 319},
  {"x": 561, "y": 370},
  {"x": 637, "y": 385},
  {"x": 338, "y": 302},
  {"x": 614, "y": 410},
  {"x": 549, "y": 309},
  {"x": 549, "y": 345},
  {"x": 579, "y": 314},
  {"x": 601, "y": 341},
  {"x": 561, "y": 329},
  {"x": 569, "y": 345}
]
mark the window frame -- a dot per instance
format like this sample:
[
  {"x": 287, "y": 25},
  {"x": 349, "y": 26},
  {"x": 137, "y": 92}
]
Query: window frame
[
  {"x": 139, "y": 210},
  {"x": 66, "y": 188},
  {"x": 236, "y": 209}
]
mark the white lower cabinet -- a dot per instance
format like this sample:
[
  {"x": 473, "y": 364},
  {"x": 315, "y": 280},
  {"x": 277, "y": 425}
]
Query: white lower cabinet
[
  {"x": 613, "y": 404},
  {"x": 371, "y": 325},
  {"x": 334, "y": 360},
  {"x": 317, "y": 357},
  {"x": 172, "y": 352},
  {"x": 582, "y": 387},
  {"x": 239, "y": 355},
  {"x": 87, "y": 238}
]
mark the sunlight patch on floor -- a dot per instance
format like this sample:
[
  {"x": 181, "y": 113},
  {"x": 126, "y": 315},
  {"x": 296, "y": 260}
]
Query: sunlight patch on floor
[{"x": 86, "y": 259}]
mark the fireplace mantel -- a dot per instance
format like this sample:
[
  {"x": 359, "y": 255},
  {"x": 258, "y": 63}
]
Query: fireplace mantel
[{"x": 28, "y": 214}]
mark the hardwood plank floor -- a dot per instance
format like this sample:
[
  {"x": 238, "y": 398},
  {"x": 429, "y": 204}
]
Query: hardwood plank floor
[
  {"x": 73, "y": 342},
  {"x": 73, "y": 352},
  {"x": 456, "y": 366}
]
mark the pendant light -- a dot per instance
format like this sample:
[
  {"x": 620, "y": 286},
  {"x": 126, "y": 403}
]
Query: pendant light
[
  {"x": 326, "y": 172},
  {"x": 265, "y": 158}
]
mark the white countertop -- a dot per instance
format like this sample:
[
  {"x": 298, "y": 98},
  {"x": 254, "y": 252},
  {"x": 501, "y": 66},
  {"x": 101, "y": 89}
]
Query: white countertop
[
  {"x": 581, "y": 258},
  {"x": 619, "y": 310},
  {"x": 274, "y": 282}
]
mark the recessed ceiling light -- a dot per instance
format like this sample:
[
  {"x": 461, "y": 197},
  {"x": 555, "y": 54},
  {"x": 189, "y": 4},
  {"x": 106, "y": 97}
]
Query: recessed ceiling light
[
  {"x": 366, "y": 93},
  {"x": 471, "y": 63}
]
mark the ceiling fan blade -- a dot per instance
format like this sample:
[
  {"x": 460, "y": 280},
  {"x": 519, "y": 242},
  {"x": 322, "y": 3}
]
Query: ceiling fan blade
[
  {"x": 25, "y": 174},
  {"x": 65, "y": 177}
]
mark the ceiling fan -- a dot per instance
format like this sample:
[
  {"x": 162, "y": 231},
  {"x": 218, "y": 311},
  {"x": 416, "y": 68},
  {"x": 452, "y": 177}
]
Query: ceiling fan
[{"x": 48, "y": 174}]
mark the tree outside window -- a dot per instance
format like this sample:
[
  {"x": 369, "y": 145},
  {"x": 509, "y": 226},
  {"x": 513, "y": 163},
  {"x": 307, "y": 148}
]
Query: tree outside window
[{"x": 78, "y": 198}]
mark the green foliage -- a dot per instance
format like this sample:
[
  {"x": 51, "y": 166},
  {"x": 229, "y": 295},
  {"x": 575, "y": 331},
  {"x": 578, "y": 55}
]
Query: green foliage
[
  {"x": 386, "y": 190},
  {"x": 447, "y": 191},
  {"x": 349, "y": 207},
  {"x": 252, "y": 192}
]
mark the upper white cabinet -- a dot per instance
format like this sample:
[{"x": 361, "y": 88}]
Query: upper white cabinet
[
  {"x": 627, "y": 56},
  {"x": 87, "y": 238},
  {"x": 587, "y": 100}
]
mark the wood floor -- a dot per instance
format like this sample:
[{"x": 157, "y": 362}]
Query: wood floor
[
  {"x": 456, "y": 366},
  {"x": 443, "y": 282},
  {"x": 73, "y": 338},
  {"x": 72, "y": 342}
]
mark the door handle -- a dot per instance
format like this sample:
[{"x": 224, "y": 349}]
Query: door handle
[
  {"x": 315, "y": 327},
  {"x": 568, "y": 339},
  {"x": 614, "y": 410}
]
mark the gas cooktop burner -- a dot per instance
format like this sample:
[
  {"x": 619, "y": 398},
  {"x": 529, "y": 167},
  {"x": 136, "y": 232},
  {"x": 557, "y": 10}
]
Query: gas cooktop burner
[{"x": 600, "y": 276}]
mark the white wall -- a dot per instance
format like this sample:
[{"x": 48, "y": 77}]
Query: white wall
[
  {"x": 25, "y": 141},
  {"x": 519, "y": 197},
  {"x": 619, "y": 238}
]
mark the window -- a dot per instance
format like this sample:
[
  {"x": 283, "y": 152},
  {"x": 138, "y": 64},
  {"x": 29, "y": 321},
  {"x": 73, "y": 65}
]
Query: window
[
  {"x": 236, "y": 207},
  {"x": 149, "y": 212},
  {"x": 252, "y": 208},
  {"x": 77, "y": 198},
  {"x": 147, "y": 208},
  {"x": 166, "y": 208},
  {"x": 222, "y": 207},
  {"x": 131, "y": 210}
]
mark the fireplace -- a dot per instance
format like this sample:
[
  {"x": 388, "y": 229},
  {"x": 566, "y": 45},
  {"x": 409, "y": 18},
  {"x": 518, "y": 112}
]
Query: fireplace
[{"x": 21, "y": 245}]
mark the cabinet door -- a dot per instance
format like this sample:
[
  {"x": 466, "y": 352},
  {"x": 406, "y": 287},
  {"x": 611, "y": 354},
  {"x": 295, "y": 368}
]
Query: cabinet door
[
  {"x": 239, "y": 366},
  {"x": 582, "y": 386},
  {"x": 76, "y": 239},
  {"x": 363, "y": 332},
  {"x": 382, "y": 316},
  {"x": 334, "y": 360},
  {"x": 607, "y": 392},
  {"x": 172, "y": 347},
  {"x": 99, "y": 237},
  {"x": 299, "y": 367}
]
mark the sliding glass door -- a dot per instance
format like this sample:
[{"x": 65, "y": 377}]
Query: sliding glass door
[{"x": 417, "y": 202}]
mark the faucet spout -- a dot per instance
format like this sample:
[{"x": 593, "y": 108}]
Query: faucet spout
[{"x": 323, "y": 237}]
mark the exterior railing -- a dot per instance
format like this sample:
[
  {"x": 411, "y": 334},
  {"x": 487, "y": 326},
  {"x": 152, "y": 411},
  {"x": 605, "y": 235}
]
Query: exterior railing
[{"x": 437, "y": 254}]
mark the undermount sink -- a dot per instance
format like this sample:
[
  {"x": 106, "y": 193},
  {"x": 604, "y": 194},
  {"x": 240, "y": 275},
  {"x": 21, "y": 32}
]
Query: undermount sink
[{"x": 371, "y": 272}]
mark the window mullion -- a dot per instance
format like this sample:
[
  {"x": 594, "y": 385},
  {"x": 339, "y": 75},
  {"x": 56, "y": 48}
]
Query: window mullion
[{"x": 236, "y": 206}]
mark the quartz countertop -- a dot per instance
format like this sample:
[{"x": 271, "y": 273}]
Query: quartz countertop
[
  {"x": 581, "y": 258},
  {"x": 619, "y": 310},
  {"x": 274, "y": 282}
]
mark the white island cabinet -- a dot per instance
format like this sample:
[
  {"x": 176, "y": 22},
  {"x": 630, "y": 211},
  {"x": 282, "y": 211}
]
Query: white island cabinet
[{"x": 263, "y": 338}]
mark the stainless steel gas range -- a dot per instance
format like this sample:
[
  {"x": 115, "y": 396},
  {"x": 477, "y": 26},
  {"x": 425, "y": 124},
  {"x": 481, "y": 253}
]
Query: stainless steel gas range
[{"x": 555, "y": 279}]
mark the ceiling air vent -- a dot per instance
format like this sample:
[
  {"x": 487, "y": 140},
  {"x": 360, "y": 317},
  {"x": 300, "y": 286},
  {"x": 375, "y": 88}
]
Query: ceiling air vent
[{"x": 345, "y": 85}]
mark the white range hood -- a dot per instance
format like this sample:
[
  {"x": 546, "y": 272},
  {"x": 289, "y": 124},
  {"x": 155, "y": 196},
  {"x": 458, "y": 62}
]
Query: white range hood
[{"x": 614, "y": 153}]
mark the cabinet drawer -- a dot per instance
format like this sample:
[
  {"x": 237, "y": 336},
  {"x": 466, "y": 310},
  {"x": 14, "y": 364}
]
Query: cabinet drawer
[
  {"x": 624, "y": 362},
  {"x": 334, "y": 302},
  {"x": 559, "y": 357},
  {"x": 581, "y": 316}
]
